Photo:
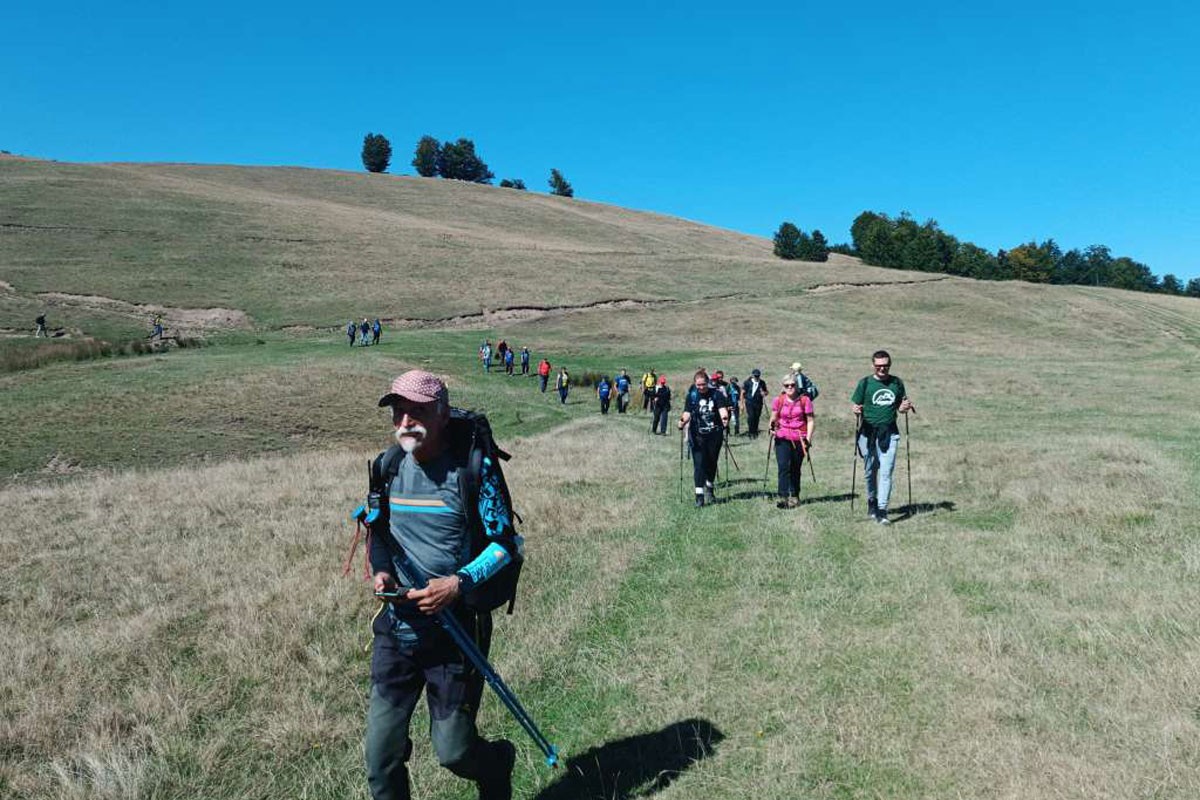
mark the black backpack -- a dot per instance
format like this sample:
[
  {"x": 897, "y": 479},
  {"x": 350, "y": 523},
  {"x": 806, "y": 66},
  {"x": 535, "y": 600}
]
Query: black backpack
[{"x": 470, "y": 437}]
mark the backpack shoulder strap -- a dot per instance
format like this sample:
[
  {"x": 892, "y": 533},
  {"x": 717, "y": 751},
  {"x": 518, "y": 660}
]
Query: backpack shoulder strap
[{"x": 384, "y": 468}]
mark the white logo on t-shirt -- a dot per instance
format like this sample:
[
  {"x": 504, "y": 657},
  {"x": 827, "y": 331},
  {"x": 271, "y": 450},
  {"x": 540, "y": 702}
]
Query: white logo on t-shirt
[{"x": 883, "y": 397}]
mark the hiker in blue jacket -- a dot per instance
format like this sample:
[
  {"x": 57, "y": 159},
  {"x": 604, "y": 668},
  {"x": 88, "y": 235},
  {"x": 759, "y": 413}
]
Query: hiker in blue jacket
[
  {"x": 352, "y": 331},
  {"x": 604, "y": 392},
  {"x": 623, "y": 385}
]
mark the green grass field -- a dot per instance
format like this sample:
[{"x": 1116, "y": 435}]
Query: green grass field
[{"x": 176, "y": 622}]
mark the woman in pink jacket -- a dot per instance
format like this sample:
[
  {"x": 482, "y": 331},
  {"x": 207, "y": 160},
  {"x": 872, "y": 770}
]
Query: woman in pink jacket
[{"x": 792, "y": 427}]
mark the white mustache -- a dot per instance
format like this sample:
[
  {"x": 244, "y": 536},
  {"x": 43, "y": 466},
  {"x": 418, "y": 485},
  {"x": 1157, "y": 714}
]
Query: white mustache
[{"x": 415, "y": 431}]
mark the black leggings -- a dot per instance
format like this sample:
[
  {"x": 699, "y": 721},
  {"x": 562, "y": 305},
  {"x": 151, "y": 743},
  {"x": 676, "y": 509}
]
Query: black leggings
[
  {"x": 706, "y": 451},
  {"x": 789, "y": 456}
]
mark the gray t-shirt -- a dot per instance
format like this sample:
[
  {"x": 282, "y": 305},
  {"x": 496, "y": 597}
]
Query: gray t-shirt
[{"x": 428, "y": 521}]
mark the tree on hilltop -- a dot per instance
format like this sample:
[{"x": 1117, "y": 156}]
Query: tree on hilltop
[
  {"x": 1193, "y": 287},
  {"x": 559, "y": 185},
  {"x": 1170, "y": 285},
  {"x": 459, "y": 162},
  {"x": 789, "y": 241},
  {"x": 376, "y": 152},
  {"x": 512, "y": 183},
  {"x": 426, "y": 158}
]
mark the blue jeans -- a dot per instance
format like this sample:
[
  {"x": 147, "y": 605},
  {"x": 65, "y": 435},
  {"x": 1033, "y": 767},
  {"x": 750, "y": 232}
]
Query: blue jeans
[{"x": 878, "y": 466}]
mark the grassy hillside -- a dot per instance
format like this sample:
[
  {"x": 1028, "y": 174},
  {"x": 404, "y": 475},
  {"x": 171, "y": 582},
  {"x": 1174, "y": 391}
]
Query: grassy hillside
[{"x": 176, "y": 622}]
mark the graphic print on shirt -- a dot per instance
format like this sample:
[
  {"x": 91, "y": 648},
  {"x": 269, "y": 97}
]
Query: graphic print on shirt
[
  {"x": 883, "y": 397},
  {"x": 704, "y": 412}
]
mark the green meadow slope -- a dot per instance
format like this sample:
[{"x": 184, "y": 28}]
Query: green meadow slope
[{"x": 175, "y": 618}]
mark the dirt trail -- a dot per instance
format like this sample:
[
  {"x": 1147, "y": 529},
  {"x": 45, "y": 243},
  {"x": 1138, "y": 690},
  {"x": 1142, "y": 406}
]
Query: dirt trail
[
  {"x": 527, "y": 313},
  {"x": 185, "y": 321}
]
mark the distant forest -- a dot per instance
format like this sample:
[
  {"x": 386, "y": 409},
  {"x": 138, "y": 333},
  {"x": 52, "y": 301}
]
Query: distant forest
[{"x": 903, "y": 243}]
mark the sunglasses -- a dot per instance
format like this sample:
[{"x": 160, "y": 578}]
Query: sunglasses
[
  {"x": 789, "y": 385},
  {"x": 883, "y": 366}
]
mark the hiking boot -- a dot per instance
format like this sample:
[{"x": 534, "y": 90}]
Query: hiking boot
[
  {"x": 784, "y": 502},
  {"x": 498, "y": 785},
  {"x": 793, "y": 502},
  {"x": 699, "y": 501},
  {"x": 872, "y": 510},
  {"x": 881, "y": 517},
  {"x": 709, "y": 496}
]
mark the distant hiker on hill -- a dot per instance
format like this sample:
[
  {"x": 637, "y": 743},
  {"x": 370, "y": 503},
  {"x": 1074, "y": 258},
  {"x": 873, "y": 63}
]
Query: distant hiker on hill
[
  {"x": 604, "y": 392},
  {"x": 40, "y": 322},
  {"x": 352, "y": 331},
  {"x": 543, "y": 374},
  {"x": 157, "y": 327},
  {"x": 733, "y": 390},
  {"x": 563, "y": 385},
  {"x": 508, "y": 362},
  {"x": 622, "y": 386},
  {"x": 705, "y": 415},
  {"x": 436, "y": 516},
  {"x": 501, "y": 350},
  {"x": 365, "y": 327},
  {"x": 876, "y": 399},
  {"x": 485, "y": 355},
  {"x": 662, "y": 406},
  {"x": 649, "y": 384},
  {"x": 524, "y": 360},
  {"x": 376, "y": 331},
  {"x": 792, "y": 426},
  {"x": 754, "y": 393}
]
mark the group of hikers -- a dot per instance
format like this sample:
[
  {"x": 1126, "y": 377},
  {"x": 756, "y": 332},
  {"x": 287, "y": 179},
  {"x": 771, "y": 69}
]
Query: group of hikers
[
  {"x": 711, "y": 411},
  {"x": 366, "y": 332},
  {"x": 506, "y": 355},
  {"x": 445, "y": 552}
]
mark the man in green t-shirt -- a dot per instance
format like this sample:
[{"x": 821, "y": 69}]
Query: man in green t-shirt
[{"x": 876, "y": 399}]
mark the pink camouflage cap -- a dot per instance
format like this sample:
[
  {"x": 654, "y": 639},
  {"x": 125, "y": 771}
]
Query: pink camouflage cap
[{"x": 418, "y": 386}]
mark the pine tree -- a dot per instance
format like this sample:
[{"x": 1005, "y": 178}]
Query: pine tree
[
  {"x": 559, "y": 185},
  {"x": 820, "y": 247},
  {"x": 376, "y": 152},
  {"x": 789, "y": 241},
  {"x": 427, "y": 156},
  {"x": 512, "y": 183},
  {"x": 459, "y": 162}
]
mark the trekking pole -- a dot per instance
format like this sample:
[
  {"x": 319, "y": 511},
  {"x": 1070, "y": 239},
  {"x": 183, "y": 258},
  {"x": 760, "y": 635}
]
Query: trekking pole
[
  {"x": 767, "y": 466},
  {"x": 467, "y": 645},
  {"x": 811, "y": 469},
  {"x": 908, "y": 460},
  {"x": 681, "y": 465},
  {"x": 725, "y": 447},
  {"x": 732, "y": 457},
  {"x": 854, "y": 469}
]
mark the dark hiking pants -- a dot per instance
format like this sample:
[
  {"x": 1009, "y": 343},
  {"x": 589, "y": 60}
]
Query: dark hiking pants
[
  {"x": 706, "y": 452},
  {"x": 753, "y": 413},
  {"x": 789, "y": 457},
  {"x": 400, "y": 670},
  {"x": 659, "y": 425}
]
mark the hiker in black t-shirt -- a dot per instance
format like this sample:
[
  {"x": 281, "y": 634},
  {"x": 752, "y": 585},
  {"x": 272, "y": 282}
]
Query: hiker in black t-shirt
[
  {"x": 705, "y": 414},
  {"x": 41, "y": 327}
]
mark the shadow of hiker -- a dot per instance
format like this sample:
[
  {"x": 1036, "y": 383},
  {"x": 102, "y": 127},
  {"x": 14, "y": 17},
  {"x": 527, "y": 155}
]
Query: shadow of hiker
[
  {"x": 829, "y": 498},
  {"x": 905, "y": 512},
  {"x": 636, "y": 766}
]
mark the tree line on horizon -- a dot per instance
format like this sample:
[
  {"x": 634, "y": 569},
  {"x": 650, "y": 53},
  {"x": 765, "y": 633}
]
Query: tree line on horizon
[
  {"x": 455, "y": 160},
  {"x": 903, "y": 243}
]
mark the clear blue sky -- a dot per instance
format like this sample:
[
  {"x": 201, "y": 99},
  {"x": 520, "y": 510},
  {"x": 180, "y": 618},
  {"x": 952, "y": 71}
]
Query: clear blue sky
[{"x": 1004, "y": 121}]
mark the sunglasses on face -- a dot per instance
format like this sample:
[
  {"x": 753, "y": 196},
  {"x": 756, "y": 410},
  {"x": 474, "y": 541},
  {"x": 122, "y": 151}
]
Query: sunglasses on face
[
  {"x": 789, "y": 386},
  {"x": 883, "y": 366}
]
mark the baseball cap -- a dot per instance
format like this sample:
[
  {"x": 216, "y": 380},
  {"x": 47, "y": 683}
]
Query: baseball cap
[
  {"x": 797, "y": 366},
  {"x": 756, "y": 373},
  {"x": 663, "y": 380},
  {"x": 418, "y": 386},
  {"x": 718, "y": 374}
]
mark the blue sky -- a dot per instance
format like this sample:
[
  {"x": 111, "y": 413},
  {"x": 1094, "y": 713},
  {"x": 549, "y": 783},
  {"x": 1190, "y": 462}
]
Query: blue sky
[{"x": 1006, "y": 122}]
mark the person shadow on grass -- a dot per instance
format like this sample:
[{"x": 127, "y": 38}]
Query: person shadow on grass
[{"x": 636, "y": 766}]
